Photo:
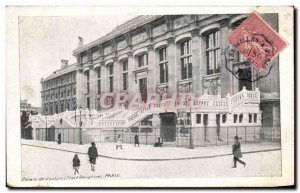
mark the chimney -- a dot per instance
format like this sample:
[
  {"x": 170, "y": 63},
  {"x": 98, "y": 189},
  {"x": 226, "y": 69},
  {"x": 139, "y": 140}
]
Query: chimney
[
  {"x": 64, "y": 63},
  {"x": 80, "y": 43}
]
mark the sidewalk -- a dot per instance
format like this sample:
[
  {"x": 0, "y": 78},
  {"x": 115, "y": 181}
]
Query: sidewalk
[{"x": 150, "y": 153}]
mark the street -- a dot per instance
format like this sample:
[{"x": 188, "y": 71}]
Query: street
[{"x": 42, "y": 162}]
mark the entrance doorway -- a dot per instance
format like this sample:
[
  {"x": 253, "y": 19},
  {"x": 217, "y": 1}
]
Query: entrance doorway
[
  {"x": 168, "y": 126},
  {"x": 51, "y": 134},
  {"x": 245, "y": 78},
  {"x": 143, "y": 88}
]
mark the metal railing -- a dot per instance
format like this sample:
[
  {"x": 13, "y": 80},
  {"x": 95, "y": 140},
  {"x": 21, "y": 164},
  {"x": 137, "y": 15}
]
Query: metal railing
[{"x": 172, "y": 136}]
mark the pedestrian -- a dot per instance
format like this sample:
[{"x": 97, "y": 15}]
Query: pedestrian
[
  {"x": 76, "y": 164},
  {"x": 159, "y": 142},
  {"x": 119, "y": 143},
  {"x": 59, "y": 138},
  {"x": 93, "y": 155},
  {"x": 237, "y": 153},
  {"x": 136, "y": 141}
]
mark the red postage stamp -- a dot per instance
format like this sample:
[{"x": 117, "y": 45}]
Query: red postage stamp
[{"x": 255, "y": 39}]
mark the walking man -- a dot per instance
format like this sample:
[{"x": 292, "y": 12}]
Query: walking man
[
  {"x": 59, "y": 138},
  {"x": 236, "y": 151},
  {"x": 93, "y": 155}
]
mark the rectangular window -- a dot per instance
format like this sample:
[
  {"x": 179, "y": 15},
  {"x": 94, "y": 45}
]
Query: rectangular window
[
  {"x": 111, "y": 84},
  {"x": 68, "y": 105},
  {"x": 125, "y": 65},
  {"x": 88, "y": 102},
  {"x": 234, "y": 118},
  {"x": 88, "y": 88},
  {"x": 84, "y": 58},
  {"x": 143, "y": 60},
  {"x": 68, "y": 93},
  {"x": 87, "y": 74},
  {"x": 61, "y": 107},
  {"x": 74, "y": 91},
  {"x": 186, "y": 60},
  {"x": 224, "y": 117},
  {"x": 99, "y": 86},
  {"x": 99, "y": 72},
  {"x": 241, "y": 118},
  {"x": 255, "y": 118},
  {"x": 163, "y": 65},
  {"x": 213, "y": 52},
  {"x": 198, "y": 118},
  {"x": 250, "y": 118},
  {"x": 111, "y": 69},
  {"x": 99, "y": 80}
]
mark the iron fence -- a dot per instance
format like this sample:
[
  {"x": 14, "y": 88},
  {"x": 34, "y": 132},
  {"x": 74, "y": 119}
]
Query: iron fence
[{"x": 172, "y": 136}]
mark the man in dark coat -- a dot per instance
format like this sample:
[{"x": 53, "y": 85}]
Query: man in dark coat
[
  {"x": 59, "y": 138},
  {"x": 136, "y": 141},
  {"x": 93, "y": 155},
  {"x": 237, "y": 153}
]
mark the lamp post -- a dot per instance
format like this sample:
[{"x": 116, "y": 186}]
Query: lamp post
[
  {"x": 191, "y": 131},
  {"x": 80, "y": 124},
  {"x": 75, "y": 108},
  {"x": 46, "y": 127}
]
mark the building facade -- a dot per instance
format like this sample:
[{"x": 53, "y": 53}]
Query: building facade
[
  {"x": 161, "y": 54},
  {"x": 59, "y": 89}
]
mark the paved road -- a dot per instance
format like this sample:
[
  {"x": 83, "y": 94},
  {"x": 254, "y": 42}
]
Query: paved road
[{"x": 40, "y": 162}]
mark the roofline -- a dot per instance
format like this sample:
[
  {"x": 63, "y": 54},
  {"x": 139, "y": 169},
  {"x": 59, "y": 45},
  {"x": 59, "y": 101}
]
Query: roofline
[
  {"x": 55, "y": 76},
  {"x": 118, "y": 31}
]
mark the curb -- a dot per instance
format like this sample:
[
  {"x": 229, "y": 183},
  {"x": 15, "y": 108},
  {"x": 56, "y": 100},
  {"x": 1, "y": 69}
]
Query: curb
[{"x": 167, "y": 159}]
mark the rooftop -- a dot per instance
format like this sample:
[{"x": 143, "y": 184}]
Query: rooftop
[
  {"x": 61, "y": 71},
  {"x": 123, "y": 28}
]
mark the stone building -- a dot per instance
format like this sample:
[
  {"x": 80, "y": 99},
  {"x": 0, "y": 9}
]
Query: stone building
[
  {"x": 59, "y": 89},
  {"x": 169, "y": 54}
]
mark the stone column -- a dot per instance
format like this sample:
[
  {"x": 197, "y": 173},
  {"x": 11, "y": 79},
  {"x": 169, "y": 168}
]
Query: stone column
[
  {"x": 93, "y": 88},
  {"x": 104, "y": 77},
  {"x": 116, "y": 78},
  {"x": 131, "y": 76},
  {"x": 151, "y": 66},
  {"x": 196, "y": 55},
  {"x": 79, "y": 88},
  {"x": 172, "y": 79},
  {"x": 226, "y": 76}
]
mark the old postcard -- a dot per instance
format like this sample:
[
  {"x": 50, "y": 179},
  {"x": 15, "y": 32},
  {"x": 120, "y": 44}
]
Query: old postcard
[{"x": 150, "y": 96}]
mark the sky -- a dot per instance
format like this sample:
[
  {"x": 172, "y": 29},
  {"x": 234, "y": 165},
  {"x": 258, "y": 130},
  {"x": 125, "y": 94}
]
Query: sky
[{"x": 44, "y": 41}]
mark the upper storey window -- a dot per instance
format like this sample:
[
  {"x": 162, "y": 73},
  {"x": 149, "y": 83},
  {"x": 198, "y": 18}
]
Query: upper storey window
[
  {"x": 84, "y": 58},
  {"x": 163, "y": 65},
  {"x": 186, "y": 59},
  {"x": 213, "y": 52},
  {"x": 143, "y": 60}
]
